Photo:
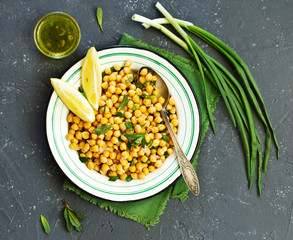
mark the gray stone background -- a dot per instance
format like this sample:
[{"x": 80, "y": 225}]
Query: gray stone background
[{"x": 31, "y": 182}]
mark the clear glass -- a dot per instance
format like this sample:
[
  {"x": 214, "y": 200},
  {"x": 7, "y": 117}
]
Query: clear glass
[{"x": 57, "y": 35}]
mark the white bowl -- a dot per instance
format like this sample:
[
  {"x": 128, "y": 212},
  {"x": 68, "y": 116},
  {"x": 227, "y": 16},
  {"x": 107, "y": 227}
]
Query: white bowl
[{"x": 93, "y": 182}]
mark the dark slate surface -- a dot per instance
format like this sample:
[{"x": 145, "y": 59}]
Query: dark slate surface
[{"x": 31, "y": 182}]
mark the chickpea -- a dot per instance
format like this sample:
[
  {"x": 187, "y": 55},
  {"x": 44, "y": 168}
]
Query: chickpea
[
  {"x": 128, "y": 63},
  {"x": 90, "y": 165}
]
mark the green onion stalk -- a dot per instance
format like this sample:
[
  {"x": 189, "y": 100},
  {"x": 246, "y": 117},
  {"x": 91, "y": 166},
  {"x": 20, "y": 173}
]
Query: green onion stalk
[{"x": 234, "y": 96}]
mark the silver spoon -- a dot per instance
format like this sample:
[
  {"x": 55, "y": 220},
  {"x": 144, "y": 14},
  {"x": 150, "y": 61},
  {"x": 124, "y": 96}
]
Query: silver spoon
[{"x": 186, "y": 168}]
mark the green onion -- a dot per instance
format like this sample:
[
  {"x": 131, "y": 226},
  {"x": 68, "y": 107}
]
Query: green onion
[
  {"x": 236, "y": 99},
  {"x": 129, "y": 80},
  {"x": 148, "y": 96}
]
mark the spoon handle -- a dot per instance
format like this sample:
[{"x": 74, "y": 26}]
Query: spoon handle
[{"x": 186, "y": 168}]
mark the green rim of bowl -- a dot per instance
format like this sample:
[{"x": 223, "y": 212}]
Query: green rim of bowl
[{"x": 36, "y": 35}]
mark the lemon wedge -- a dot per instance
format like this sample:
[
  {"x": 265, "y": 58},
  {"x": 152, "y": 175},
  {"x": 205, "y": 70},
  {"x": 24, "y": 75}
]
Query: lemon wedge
[
  {"x": 73, "y": 99},
  {"x": 91, "y": 77}
]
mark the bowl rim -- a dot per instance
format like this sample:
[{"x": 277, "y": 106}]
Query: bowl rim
[{"x": 36, "y": 34}]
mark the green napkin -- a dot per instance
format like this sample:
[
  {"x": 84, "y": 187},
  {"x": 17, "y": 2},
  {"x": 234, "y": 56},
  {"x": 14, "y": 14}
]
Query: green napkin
[{"x": 147, "y": 211}]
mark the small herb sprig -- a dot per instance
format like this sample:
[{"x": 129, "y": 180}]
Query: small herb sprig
[
  {"x": 72, "y": 218},
  {"x": 100, "y": 17},
  {"x": 45, "y": 224}
]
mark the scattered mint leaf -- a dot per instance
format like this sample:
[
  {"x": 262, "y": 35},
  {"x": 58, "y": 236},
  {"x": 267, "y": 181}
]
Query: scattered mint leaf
[
  {"x": 100, "y": 17},
  {"x": 45, "y": 224}
]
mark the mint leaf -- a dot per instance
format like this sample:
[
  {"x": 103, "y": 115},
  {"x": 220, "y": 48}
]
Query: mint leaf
[
  {"x": 102, "y": 129},
  {"x": 113, "y": 178},
  {"x": 45, "y": 224},
  {"x": 124, "y": 102},
  {"x": 120, "y": 114},
  {"x": 83, "y": 159},
  {"x": 128, "y": 178}
]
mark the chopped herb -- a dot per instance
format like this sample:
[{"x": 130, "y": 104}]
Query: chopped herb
[
  {"x": 129, "y": 145},
  {"x": 100, "y": 17},
  {"x": 147, "y": 96},
  {"x": 83, "y": 159},
  {"x": 129, "y": 79},
  {"x": 165, "y": 138},
  {"x": 104, "y": 107},
  {"x": 102, "y": 129},
  {"x": 150, "y": 144},
  {"x": 45, "y": 224},
  {"x": 138, "y": 85},
  {"x": 82, "y": 92},
  {"x": 137, "y": 141},
  {"x": 164, "y": 131},
  {"x": 154, "y": 83},
  {"x": 104, "y": 74},
  {"x": 124, "y": 102},
  {"x": 143, "y": 142},
  {"x": 166, "y": 154},
  {"x": 135, "y": 107},
  {"x": 156, "y": 147},
  {"x": 147, "y": 82},
  {"x": 134, "y": 136},
  {"x": 120, "y": 114},
  {"x": 129, "y": 126},
  {"x": 120, "y": 139},
  {"x": 128, "y": 178},
  {"x": 131, "y": 163},
  {"x": 113, "y": 178},
  {"x": 143, "y": 125},
  {"x": 113, "y": 69}
]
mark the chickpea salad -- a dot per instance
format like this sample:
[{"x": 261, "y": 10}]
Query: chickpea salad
[{"x": 128, "y": 139}]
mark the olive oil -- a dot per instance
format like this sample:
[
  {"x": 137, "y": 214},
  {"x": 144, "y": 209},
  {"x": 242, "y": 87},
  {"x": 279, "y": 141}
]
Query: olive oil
[{"x": 57, "y": 35}]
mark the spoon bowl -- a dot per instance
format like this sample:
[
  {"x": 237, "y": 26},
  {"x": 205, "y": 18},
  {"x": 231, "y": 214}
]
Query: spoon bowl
[{"x": 186, "y": 168}]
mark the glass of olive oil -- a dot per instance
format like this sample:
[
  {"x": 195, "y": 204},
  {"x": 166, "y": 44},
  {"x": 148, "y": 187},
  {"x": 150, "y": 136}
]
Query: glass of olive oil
[{"x": 57, "y": 35}]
